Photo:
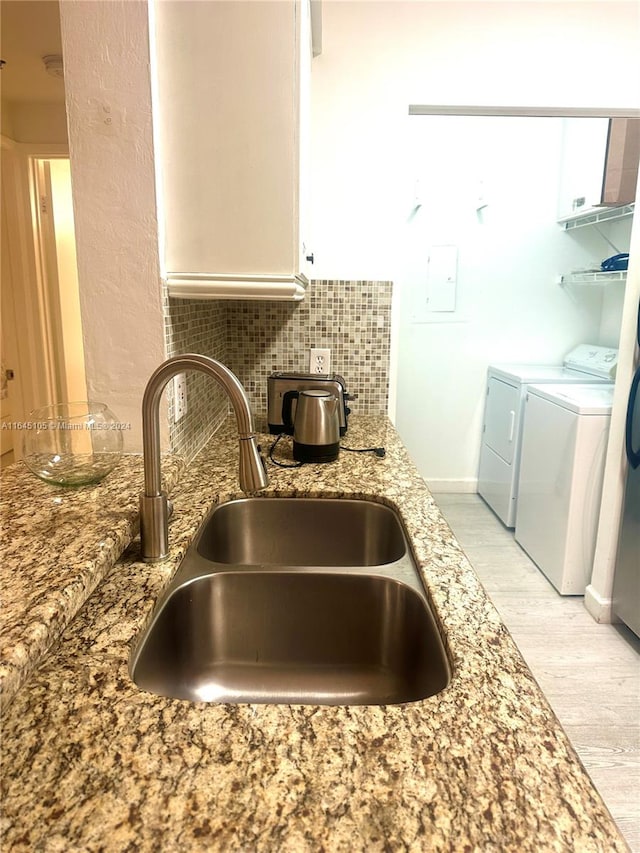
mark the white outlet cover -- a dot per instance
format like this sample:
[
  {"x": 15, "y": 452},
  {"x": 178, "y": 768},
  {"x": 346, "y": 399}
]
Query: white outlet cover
[
  {"x": 319, "y": 360},
  {"x": 179, "y": 396}
]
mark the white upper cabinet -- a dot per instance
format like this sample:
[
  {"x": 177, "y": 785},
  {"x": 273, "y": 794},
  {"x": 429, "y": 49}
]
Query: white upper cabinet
[
  {"x": 584, "y": 146},
  {"x": 599, "y": 164},
  {"x": 232, "y": 94}
]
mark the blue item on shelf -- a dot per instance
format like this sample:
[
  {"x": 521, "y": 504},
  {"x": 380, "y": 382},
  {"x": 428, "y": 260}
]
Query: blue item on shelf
[{"x": 616, "y": 263}]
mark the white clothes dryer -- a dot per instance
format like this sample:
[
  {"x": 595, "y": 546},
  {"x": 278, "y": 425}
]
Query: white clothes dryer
[
  {"x": 566, "y": 430},
  {"x": 507, "y": 386}
]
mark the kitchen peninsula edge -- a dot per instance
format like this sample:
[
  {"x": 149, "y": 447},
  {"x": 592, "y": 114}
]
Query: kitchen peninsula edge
[{"x": 93, "y": 763}]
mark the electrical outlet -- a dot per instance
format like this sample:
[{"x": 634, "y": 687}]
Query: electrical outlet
[
  {"x": 319, "y": 360},
  {"x": 179, "y": 396}
]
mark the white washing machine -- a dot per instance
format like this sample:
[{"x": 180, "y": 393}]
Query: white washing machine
[
  {"x": 564, "y": 442},
  {"x": 503, "y": 418}
]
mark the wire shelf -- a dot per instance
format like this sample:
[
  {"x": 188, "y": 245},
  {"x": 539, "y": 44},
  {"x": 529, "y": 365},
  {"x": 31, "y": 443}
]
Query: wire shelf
[
  {"x": 593, "y": 277},
  {"x": 595, "y": 215}
]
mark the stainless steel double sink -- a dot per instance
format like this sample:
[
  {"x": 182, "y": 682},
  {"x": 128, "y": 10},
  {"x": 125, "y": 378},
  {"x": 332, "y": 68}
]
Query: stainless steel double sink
[{"x": 296, "y": 601}]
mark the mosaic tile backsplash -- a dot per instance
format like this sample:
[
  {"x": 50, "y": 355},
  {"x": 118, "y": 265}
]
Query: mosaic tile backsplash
[
  {"x": 351, "y": 318},
  {"x": 196, "y": 326}
]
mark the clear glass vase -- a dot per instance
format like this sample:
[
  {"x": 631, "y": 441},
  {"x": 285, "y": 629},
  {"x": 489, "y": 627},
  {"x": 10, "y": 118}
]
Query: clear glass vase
[{"x": 72, "y": 444}]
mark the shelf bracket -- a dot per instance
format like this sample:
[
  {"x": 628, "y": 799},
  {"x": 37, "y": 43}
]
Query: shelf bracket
[{"x": 606, "y": 239}]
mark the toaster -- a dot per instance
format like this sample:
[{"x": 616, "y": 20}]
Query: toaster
[{"x": 280, "y": 382}]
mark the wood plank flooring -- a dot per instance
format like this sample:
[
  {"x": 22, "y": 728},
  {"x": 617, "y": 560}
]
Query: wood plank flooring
[{"x": 590, "y": 673}]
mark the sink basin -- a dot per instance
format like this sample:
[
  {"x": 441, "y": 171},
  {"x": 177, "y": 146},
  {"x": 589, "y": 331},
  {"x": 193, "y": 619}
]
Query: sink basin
[
  {"x": 294, "y": 600},
  {"x": 302, "y": 532},
  {"x": 293, "y": 637}
]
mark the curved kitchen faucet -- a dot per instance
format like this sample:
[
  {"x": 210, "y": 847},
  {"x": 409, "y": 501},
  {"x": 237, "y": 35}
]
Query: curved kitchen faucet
[{"x": 154, "y": 505}]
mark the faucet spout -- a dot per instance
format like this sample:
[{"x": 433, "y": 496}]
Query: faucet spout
[{"x": 252, "y": 475}]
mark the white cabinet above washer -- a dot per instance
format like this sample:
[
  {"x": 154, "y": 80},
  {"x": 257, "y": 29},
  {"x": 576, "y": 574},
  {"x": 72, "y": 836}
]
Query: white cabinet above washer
[{"x": 232, "y": 102}]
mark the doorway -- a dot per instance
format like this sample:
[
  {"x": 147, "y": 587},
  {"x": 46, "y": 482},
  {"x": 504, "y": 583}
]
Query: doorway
[
  {"x": 484, "y": 265},
  {"x": 56, "y": 249},
  {"x": 42, "y": 346}
]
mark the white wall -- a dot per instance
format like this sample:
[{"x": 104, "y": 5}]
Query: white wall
[
  {"x": 379, "y": 57},
  {"x": 509, "y": 305},
  {"x": 106, "y": 55}
]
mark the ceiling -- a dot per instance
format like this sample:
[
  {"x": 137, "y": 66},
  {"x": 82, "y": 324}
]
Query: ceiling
[{"x": 30, "y": 29}]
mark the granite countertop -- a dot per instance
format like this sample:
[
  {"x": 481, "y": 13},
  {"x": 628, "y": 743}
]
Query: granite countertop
[
  {"x": 57, "y": 545},
  {"x": 93, "y": 763}
]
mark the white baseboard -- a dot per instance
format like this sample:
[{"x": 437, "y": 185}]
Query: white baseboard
[
  {"x": 600, "y": 608},
  {"x": 453, "y": 486}
]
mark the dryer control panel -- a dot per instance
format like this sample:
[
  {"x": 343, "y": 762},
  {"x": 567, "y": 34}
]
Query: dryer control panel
[{"x": 593, "y": 359}]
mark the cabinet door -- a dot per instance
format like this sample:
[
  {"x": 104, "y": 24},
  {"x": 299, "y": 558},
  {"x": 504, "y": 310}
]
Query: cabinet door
[
  {"x": 621, "y": 165},
  {"x": 584, "y": 143},
  {"x": 501, "y": 418},
  {"x": 228, "y": 97}
]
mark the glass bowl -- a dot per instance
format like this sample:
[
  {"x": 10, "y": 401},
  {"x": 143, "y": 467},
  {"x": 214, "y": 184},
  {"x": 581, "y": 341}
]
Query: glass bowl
[{"x": 72, "y": 444}]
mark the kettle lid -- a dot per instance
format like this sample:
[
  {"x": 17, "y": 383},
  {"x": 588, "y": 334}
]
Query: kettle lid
[{"x": 314, "y": 392}]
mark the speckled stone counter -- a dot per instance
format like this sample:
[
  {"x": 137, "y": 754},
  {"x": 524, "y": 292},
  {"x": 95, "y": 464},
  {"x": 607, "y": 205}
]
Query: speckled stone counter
[
  {"x": 93, "y": 763},
  {"x": 57, "y": 544}
]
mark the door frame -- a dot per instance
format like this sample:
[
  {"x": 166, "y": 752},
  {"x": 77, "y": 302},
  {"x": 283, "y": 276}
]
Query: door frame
[
  {"x": 35, "y": 382},
  {"x": 531, "y": 112}
]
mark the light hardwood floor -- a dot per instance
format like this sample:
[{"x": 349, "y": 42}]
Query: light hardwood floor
[{"x": 590, "y": 673}]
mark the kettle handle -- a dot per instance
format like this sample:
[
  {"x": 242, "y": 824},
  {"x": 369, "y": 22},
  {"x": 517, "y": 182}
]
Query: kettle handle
[{"x": 287, "y": 400}]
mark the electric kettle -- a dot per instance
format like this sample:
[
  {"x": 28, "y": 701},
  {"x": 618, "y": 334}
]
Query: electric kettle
[{"x": 316, "y": 427}]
